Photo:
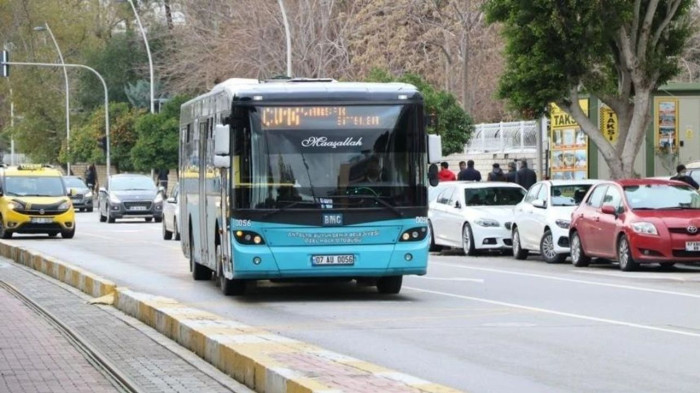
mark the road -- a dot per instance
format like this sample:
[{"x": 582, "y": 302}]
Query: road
[{"x": 481, "y": 324}]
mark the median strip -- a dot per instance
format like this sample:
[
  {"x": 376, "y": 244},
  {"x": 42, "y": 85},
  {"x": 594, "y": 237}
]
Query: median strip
[{"x": 261, "y": 360}]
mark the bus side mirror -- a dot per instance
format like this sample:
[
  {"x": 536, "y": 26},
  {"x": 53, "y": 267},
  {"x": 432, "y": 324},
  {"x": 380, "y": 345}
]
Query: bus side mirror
[
  {"x": 222, "y": 139},
  {"x": 433, "y": 175},
  {"x": 434, "y": 149}
]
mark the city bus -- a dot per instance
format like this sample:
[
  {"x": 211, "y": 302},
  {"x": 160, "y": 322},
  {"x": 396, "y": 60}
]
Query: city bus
[{"x": 306, "y": 179}]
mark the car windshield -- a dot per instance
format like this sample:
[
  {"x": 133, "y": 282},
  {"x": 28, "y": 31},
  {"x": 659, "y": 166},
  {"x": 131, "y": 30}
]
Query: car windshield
[
  {"x": 74, "y": 182},
  {"x": 34, "y": 186},
  {"x": 569, "y": 194},
  {"x": 662, "y": 197},
  {"x": 493, "y": 196},
  {"x": 131, "y": 183}
]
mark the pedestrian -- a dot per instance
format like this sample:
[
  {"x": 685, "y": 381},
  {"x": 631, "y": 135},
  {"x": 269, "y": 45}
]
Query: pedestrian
[
  {"x": 526, "y": 177},
  {"x": 512, "y": 173},
  {"x": 496, "y": 173},
  {"x": 682, "y": 175},
  {"x": 469, "y": 174},
  {"x": 163, "y": 179},
  {"x": 445, "y": 174},
  {"x": 462, "y": 166},
  {"x": 91, "y": 177}
]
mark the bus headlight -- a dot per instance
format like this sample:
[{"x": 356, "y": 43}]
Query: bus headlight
[
  {"x": 248, "y": 237},
  {"x": 414, "y": 234}
]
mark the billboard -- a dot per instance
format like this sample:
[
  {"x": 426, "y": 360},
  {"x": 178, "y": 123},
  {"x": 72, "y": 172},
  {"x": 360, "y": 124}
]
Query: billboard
[{"x": 568, "y": 145}]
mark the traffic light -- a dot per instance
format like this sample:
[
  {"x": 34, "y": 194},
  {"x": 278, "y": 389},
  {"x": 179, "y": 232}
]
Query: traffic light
[
  {"x": 5, "y": 67},
  {"x": 102, "y": 143}
]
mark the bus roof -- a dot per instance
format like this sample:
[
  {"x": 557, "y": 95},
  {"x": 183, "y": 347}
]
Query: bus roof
[{"x": 311, "y": 89}]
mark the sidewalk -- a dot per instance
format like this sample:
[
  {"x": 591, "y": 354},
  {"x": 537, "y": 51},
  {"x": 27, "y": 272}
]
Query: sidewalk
[{"x": 36, "y": 355}]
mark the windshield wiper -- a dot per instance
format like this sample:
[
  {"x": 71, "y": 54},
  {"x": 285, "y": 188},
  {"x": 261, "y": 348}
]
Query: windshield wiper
[{"x": 286, "y": 207}]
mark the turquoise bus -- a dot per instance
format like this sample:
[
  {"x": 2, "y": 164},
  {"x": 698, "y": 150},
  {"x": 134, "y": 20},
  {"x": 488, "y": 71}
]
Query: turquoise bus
[{"x": 303, "y": 179}]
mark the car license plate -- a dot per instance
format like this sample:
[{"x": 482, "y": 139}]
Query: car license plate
[
  {"x": 333, "y": 259},
  {"x": 692, "y": 246},
  {"x": 137, "y": 208},
  {"x": 42, "y": 220}
]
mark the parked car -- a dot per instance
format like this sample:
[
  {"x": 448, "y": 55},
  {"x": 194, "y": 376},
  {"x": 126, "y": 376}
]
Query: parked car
[
  {"x": 171, "y": 215},
  {"x": 474, "y": 215},
  {"x": 130, "y": 196},
  {"x": 82, "y": 199},
  {"x": 541, "y": 221},
  {"x": 637, "y": 221}
]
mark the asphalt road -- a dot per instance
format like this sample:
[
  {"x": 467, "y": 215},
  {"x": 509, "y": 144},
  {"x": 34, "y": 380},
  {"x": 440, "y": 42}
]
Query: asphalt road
[{"x": 481, "y": 324}]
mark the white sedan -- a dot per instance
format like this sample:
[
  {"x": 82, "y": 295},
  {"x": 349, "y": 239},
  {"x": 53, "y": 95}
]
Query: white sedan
[
  {"x": 541, "y": 221},
  {"x": 474, "y": 215},
  {"x": 171, "y": 215}
]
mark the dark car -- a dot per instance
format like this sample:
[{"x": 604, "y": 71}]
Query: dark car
[
  {"x": 637, "y": 221},
  {"x": 130, "y": 196},
  {"x": 82, "y": 199}
]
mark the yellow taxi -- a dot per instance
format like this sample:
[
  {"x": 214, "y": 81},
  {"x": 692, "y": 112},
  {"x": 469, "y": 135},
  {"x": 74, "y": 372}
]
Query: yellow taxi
[{"x": 34, "y": 199}]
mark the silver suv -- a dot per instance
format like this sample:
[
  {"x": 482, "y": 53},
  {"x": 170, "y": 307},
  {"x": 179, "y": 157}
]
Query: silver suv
[{"x": 130, "y": 196}]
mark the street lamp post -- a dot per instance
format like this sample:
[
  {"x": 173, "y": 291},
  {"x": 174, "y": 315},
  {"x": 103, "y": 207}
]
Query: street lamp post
[
  {"x": 148, "y": 51},
  {"x": 288, "y": 38},
  {"x": 46, "y": 27},
  {"x": 104, "y": 86}
]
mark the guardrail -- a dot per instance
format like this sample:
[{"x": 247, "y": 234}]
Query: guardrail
[{"x": 503, "y": 137}]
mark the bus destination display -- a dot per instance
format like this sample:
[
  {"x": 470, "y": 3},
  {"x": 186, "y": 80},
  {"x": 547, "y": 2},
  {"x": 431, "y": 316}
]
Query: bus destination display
[{"x": 318, "y": 117}]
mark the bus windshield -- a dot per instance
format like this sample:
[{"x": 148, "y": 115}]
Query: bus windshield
[{"x": 331, "y": 157}]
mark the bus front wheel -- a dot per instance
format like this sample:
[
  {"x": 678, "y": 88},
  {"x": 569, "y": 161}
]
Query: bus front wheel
[
  {"x": 389, "y": 285},
  {"x": 230, "y": 287}
]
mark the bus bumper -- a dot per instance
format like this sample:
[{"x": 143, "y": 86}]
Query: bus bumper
[{"x": 263, "y": 262}]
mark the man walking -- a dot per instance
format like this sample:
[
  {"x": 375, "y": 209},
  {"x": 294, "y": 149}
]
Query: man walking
[
  {"x": 682, "y": 175},
  {"x": 445, "y": 174},
  {"x": 496, "y": 173},
  {"x": 512, "y": 173},
  {"x": 469, "y": 174},
  {"x": 526, "y": 177}
]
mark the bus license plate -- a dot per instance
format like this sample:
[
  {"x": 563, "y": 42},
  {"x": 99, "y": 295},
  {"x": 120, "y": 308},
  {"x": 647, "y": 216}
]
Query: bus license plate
[
  {"x": 42, "y": 220},
  {"x": 333, "y": 259},
  {"x": 692, "y": 246}
]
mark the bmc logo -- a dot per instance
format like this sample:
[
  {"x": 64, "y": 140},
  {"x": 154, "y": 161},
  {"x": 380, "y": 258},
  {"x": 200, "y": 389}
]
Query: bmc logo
[{"x": 330, "y": 220}]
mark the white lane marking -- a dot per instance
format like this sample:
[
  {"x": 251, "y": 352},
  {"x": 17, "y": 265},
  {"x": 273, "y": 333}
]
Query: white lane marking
[
  {"x": 155, "y": 243},
  {"x": 559, "y": 313},
  {"x": 646, "y": 276},
  {"x": 601, "y": 284},
  {"x": 479, "y": 280}
]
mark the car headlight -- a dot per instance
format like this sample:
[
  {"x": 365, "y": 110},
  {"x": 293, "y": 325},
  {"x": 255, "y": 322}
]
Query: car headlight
[
  {"x": 88, "y": 194},
  {"x": 114, "y": 199},
  {"x": 158, "y": 198},
  {"x": 643, "y": 227},
  {"x": 487, "y": 222},
  {"x": 564, "y": 224},
  {"x": 64, "y": 206},
  {"x": 14, "y": 205}
]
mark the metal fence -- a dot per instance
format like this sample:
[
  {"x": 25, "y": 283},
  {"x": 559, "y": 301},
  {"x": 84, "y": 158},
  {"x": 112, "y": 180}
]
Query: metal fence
[{"x": 503, "y": 137}]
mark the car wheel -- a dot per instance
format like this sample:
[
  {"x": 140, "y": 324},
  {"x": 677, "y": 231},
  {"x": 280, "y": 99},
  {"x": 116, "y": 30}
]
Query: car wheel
[
  {"x": 228, "y": 287},
  {"x": 159, "y": 219},
  {"x": 4, "y": 233},
  {"x": 149, "y": 219},
  {"x": 468, "y": 240},
  {"x": 176, "y": 230},
  {"x": 82, "y": 209},
  {"x": 518, "y": 251},
  {"x": 624, "y": 255},
  {"x": 167, "y": 235},
  {"x": 578, "y": 257},
  {"x": 110, "y": 219},
  {"x": 102, "y": 218},
  {"x": 89, "y": 209},
  {"x": 199, "y": 272},
  {"x": 547, "y": 249},
  {"x": 433, "y": 247},
  {"x": 68, "y": 234},
  {"x": 389, "y": 285}
]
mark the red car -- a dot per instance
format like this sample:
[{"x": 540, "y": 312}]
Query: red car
[{"x": 637, "y": 221}]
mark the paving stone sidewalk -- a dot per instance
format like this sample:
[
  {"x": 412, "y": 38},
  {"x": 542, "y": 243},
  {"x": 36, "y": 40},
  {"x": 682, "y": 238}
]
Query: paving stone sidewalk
[{"x": 36, "y": 357}]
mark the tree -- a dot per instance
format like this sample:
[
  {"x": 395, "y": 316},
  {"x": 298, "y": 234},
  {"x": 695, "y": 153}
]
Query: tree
[
  {"x": 157, "y": 144},
  {"x": 620, "y": 51},
  {"x": 453, "y": 124}
]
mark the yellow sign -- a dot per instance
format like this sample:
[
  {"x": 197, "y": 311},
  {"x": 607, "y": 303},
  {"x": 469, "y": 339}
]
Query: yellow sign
[
  {"x": 609, "y": 126},
  {"x": 561, "y": 119}
]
